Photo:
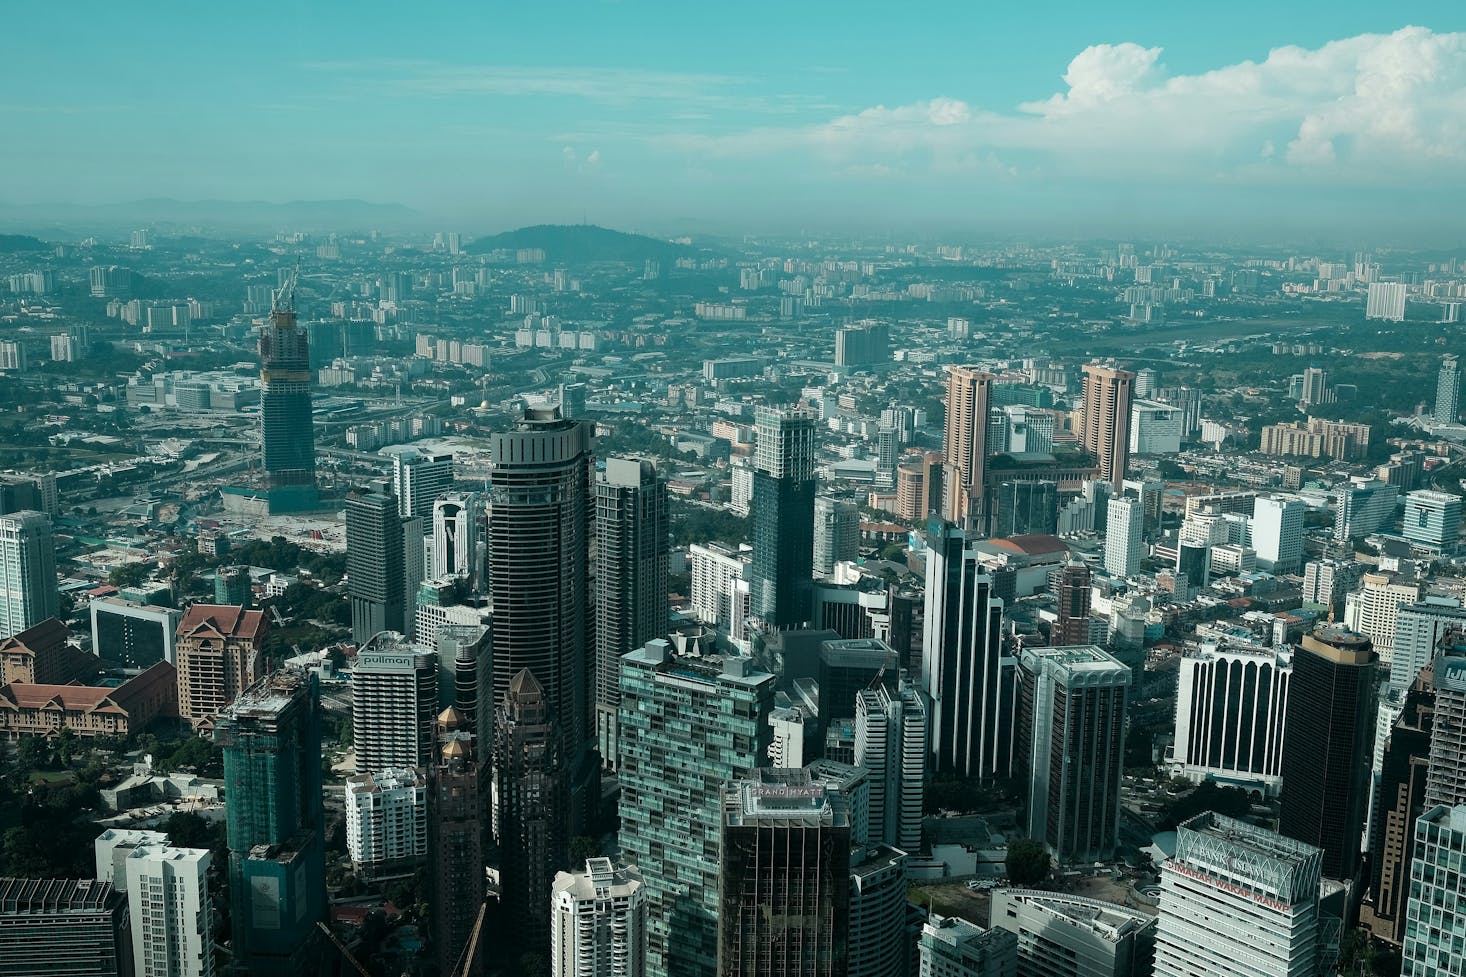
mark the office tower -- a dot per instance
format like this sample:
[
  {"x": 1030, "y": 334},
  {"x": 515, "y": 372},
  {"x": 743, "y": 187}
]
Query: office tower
[
  {"x": 394, "y": 699},
  {"x": 1446, "y": 780},
  {"x": 862, "y": 344},
  {"x": 1151, "y": 494},
  {"x": 952, "y": 947},
  {"x": 572, "y": 401},
  {"x": 1231, "y": 706},
  {"x": 688, "y": 725},
  {"x": 1026, "y": 508},
  {"x": 1448, "y": 391},
  {"x": 1124, "y": 548},
  {"x": 844, "y": 667},
  {"x": 1316, "y": 388},
  {"x": 600, "y": 922},
  {"x": 876, "y": 937},
  {"x": 890, "y": 743},
  {"x": 287, "y": 433},
  {"x": 1385, "y": 300},
  {"x": 1155, "y": 429},
  {"x": 1072, "y": 627},
  {"x": 465, "y": 672},
  {"x": 529, "y": 805},
  {"x": 1071, "y": 743},
  {"x": 28, "y": 592},
  {"x": 631, "y": 579},
  {"x": 964, "y": 468},
  {"x": 1433, "y": 520},
  {"x": 233, "y": 587},
  {"x": 1105, "y": 433},
  {"x": 1326, "y": 774},
  {"x": 271, "y": 737},
  {"x": 1373, "y": 609},
  {"x": 963, "y": 670},
  {"x": 220, "y": 654},
  {"x": 387, "y": 822},
  {"x": 21, "y": 494},
  {"x": 888, "y": 454},
  {"x": 376, "y": 570},
  {"x": 1362, "y": 508},
  {"x": 836, "y": 534},
  {"x": 1327, "y": 582},
  {"x": 1277, "y": 534},
  {"x": 1435, "y": 918},
  {"x": 783, "y": 878},
  {"x": 64, "y": 926},
  {"x": 455, "y": 522},
  {"x": 419, "y": 479},
  {"x": 1238, "y": 901},
  {"x": 1419, "y": 628},
  {"x": 133, "y": 635},
  {"x": 783, "y": 517},
  {"x": 172, "y": 922},
  {"x": 1063, "y": 935},
  {"x": 455, "y": 844},
  {"x": 539, "y": 568},
  {"x": 1404, "y": 772}
]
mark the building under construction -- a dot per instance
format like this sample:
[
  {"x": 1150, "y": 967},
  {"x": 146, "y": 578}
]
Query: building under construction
[{"x": 287, "y": 436}]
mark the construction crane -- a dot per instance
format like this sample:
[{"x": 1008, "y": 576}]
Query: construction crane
[
  {"x": 285, "y": 296},
  {"x": 342, "y": 947},
  {"x": 470, "y": 949}
]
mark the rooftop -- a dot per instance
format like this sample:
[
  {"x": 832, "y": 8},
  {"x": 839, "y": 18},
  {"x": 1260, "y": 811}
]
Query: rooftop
[
  {"x": 1104, "y": 919},
  {"x": 224, "y": 621}
]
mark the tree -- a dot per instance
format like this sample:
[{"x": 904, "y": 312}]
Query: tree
[
  {"x": 1027, "y": 862},
  {"x": 186, "y": 829},
  {"x": 128, "y": 575}
]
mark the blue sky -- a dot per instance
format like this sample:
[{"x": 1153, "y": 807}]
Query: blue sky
[{"x": 1057, "y": 117}]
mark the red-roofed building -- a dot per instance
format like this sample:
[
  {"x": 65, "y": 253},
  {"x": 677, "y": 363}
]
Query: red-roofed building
[
  {"x": 220, "y": 655},
  {"x": 42, "y": 654},
  {"x": 86, "y": 710}
]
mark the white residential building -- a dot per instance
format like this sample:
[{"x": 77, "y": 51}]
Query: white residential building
[
  {"x": 716, "y": 572},
  {"x": 1277, "y": 534},
  {"x": 599, "y": 922},
  {"x": 1125, "y": 521},
  {"x": 1155, "y": 429},
  {"x": 168, "y": 899},
  {"x": 1373, "y": 609},
  {"x": 1432, "y": 520},
  {"x": 1386, "y": 300},
  {"x": 890, "y": 742},
  {"x": 1418, "y": 630},
  {"x": 387, "y": 822},
  {"x": 952, "y": 947},
  {"x": 114, "y": 845}
]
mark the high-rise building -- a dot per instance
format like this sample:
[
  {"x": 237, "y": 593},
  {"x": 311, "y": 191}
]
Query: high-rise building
[
  {"x": 599, "y": 922},
  {"x": 529, "y": 804},
  {"x": 863, "y": 343},
  {"x": 287, "y": 433},
  {"x": 1231, "y": 706},
  {"x": 963, "y": 669},
  {"x": 844, "y": 668},
  {"x": 1124, "y": 548},
  {"x": 1071, "y": 743},
  {"x": 172, "y": 920},
  {"x": 964, "y": 469},
  {"x": 1385, "y": 300},
  {"x": 1432, "y": 520},
  {"x": 271, "y": 737},
  {"x": 456, "y": 811},
  {"x": 631, "y": 579},
  {"x": 952, "y": 947},
  {"x": 1448, "y": 391},
  {"x": 1373, "y": 608},
  {"x": 688, "y": 725},
  {"x": 394, "y": 699},
  {"x": 1404, "y": 771},
  {"x": 220, "y": 654},
  {"x": 133, "y": 635},
  {"x": 387, "y": 822},
  {"x": 420, "y": 478},
  {"x": 836, "y": 534},
  {"x": 455, "y": 523},
  {"x": 1277, "y": 534},
  {"x": 784, "y": 484},
  {"x": 1446, "y": 778},
  {"x": 376, "y": 569},
  {"x": 540, "y": 526},
  {"x": 571, "y": 398},
  {"x": 233, "y": 587},
  {"x": 1326, "y": 773},
  {"x": 783, "y": 878},
  {"x": 1026, "y": 508},
  {"x": 1419, "y": 628},
  {"x": 465, "y": 654},
  {"x": 1316, "y": 389},
  {"x": 1435, "y": 920},
  {"x": 1238, "y": 901},
  {"x": 1075, "y": 594},
  {"x": 890, "y": 742},
  {"x": 64, "y": 926},
  {"x": 877, "y": 938},
  {"x": 28, "y": 591},
  {"x": 1328, "y": 582},
  {"x": 1105, "y": 433},
  {"x": 1063, "y": 935},
  {"x": 1363, "y": 507},
  {"x": 112, "y": 847}
]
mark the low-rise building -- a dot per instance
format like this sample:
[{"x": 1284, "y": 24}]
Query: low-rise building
[{"x": 45, "y": 710}]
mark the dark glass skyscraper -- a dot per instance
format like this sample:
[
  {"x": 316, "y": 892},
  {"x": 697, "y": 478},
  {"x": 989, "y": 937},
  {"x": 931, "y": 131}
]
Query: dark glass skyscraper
[
  {"x": 287, "y": 435},
  {"x": 376, "y": 571},
  {"x": 456, "y": 833},
  {"x": 781, "y": 586}
]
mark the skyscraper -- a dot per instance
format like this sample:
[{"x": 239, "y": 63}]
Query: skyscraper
[
  {"x": 631, "y": 579},
  {"x": 172, "y": 921},
  {"x": 1230, "y": 715},
  {"x": 394, "y": 699},
  {"x": 1432, "y": 520},
  {"x": 220, "y": 654},
  {"x": 1026, "y": 508},
  {"x": 1071, "y": 743},
  {"x": 1448, "y": 391},
  {"x": 1124, "y": 522},
  {"x": 1403, "y": 774},
  {"x": 836, "y": 534},
  {"x": 964, "y": 469},
  {"x": 1238, "y": 901},
  {"x": 688, "y": 725},
  {"x": 455, "y": 522},
  {"x": 1072, "y": 626},
  {"x": 1419, "y": 628},
  {"x": 1326, "y": 772},
  {"x": 529, "y": 805},
  {"x": 420, "y": 478},
  {"x": 599, "y": 922},
  {"x": 455, "y": 843},
  {"x": 28, "y": 591},
  {"x": 879, "y": 945},
  {"x": 271, "y": 737},
  {"x": 1106, "y": 429},
  {"x": 783, "y": 878},
  {"x": 963, "y": 670},
  {"x": 376, "y": 571},
  {"x": 539, "y": 534},
  {"x": 890, "y": 742},
  {"x": 1385, "y": 300},
  {"x": 1446, "y": 779},
  {"x": 1435, "y": 920},
  {"x": 1277, "y": 534},
  {"x": 784, "y": 485},
  {"x": 287, "y": 430}
]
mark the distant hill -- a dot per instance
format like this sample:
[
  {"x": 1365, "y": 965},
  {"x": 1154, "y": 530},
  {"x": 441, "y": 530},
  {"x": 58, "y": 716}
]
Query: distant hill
[
  {"x": 163, "y": 211},
  {"x": 14, "y": 243},
  {"x": 583, "y": 244}
]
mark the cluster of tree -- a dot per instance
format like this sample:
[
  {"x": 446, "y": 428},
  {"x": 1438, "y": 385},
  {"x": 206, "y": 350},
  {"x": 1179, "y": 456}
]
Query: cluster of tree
[
  {"x": 1027, "y": 862},
  {"x": 698, "y": 524},
  {"x": 1230, "y": 801},
  {"x": 949, "y": 792},
  {"x": 278, "y": 553}
]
